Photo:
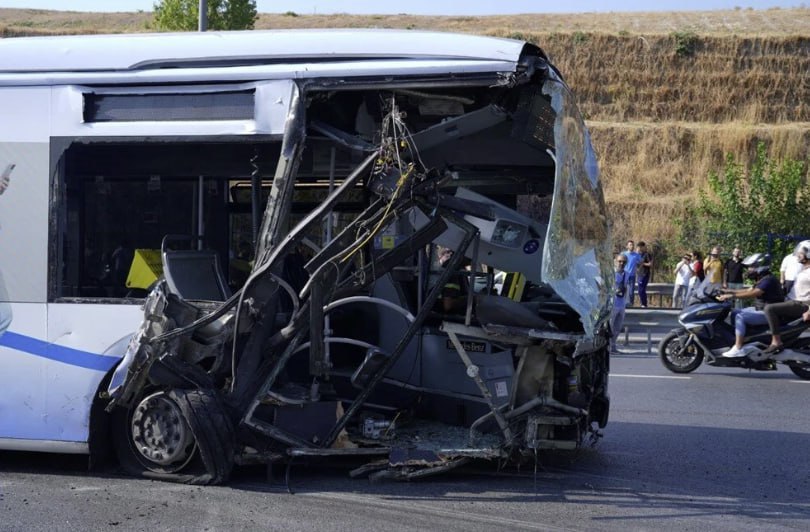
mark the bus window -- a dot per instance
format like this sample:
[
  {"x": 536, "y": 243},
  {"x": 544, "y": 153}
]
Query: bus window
[{"x": 121, "y": 196}]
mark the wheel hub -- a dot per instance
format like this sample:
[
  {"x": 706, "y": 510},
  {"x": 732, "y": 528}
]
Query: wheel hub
[
  {"x": 159, "y": 431},
  {"x": 681, "y": 354}
]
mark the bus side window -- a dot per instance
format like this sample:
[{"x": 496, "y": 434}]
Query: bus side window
[{"x": 119, "y": 196}]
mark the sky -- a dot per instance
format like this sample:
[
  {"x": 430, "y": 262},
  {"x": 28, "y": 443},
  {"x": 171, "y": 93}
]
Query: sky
[{"x": 428, "y": 7}]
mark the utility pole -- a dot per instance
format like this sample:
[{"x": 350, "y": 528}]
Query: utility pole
[{"x": 203, "y": 15}]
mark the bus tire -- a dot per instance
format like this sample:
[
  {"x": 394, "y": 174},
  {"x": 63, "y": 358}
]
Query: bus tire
[
  {"x": 212, "y": 429},
  {"x": 180, "y": 436}
]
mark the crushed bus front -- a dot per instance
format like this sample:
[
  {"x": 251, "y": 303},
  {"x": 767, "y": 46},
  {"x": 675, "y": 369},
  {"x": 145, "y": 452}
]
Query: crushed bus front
[{"x": 429, "y": 287}]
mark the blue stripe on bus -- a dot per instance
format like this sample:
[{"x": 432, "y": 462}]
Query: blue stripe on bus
[{"x": 59, "y": 353}]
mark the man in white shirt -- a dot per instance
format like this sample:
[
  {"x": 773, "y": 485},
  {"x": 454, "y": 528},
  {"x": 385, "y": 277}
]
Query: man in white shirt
[
  {"x": 683, "y": 273},
  {"x": 787, "y": 272},
  {"x": 779, "y": 313},
  {"x": 790, "y": 268}
]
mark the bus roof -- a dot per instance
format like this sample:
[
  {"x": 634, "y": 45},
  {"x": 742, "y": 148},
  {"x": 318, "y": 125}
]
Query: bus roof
[{"x": 128, "y": 52}]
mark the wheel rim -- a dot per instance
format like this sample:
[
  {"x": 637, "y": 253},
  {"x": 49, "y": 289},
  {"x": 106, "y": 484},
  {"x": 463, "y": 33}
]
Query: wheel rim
[
  {"x": 679, "y": 355},
  {"x": 160, "y": 434}
]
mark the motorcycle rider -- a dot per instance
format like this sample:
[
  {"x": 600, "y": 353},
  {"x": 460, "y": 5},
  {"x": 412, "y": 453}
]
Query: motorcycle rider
[
  {"x": 766, "y": 290},
  {"x": 791, "y": 309}
]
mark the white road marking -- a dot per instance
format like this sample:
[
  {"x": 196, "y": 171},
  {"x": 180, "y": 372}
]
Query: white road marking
[
  {"x": 648, "y": 376},
  {"x": 802, "y": 382}
]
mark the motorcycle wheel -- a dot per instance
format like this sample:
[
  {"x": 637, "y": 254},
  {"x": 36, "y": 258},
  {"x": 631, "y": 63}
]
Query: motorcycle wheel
[
  {"x": 677, "y": 358},
  {"x": 802, "y": 373}
]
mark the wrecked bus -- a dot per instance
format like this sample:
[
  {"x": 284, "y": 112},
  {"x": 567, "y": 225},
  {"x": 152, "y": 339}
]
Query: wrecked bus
[{"x": 254, "y": 247}]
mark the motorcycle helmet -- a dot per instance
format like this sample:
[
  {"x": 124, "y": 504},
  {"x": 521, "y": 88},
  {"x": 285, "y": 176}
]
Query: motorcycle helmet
[
  {"x": 758, "y": 264},
  {"x": 803, "y": 244},
  {"x": 804, "y": 247}
]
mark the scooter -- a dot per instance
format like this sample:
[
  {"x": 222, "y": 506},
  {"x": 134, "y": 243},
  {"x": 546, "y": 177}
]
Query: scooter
[{"x": 706, "y": 333}]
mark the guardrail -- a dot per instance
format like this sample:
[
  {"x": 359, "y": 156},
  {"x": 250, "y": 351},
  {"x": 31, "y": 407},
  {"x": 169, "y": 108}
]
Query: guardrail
[
  {"x": 659, "y": 295},
  {"x": 649, "y": 321}
]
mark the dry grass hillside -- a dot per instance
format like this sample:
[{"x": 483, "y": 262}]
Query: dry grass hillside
[
  {"x": 666, "y": 95},
  {"x": 740, "y": 22}
]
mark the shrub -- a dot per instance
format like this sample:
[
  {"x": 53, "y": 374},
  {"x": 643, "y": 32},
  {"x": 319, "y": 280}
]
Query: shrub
[
  {"x": 183, "y": 15},
  {"x": 580, "y": 37},
  {"x": 685, "y": 43},
  {"x": 754, "y": 208}
]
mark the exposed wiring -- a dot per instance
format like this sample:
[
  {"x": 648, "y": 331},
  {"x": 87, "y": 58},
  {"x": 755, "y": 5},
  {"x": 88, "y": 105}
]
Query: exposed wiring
[
  {"x": 392, "y": 129},
  {"x": 384, "y": 218}
]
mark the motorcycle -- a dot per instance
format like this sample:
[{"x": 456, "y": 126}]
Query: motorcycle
[{"x": 705, "y": 334}]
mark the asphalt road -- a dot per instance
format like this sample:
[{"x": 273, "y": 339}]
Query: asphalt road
[{"x": 717, "y": 449}]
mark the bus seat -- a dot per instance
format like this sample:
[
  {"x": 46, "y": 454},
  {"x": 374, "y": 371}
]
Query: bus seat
[{"x": 195, "y": 274}]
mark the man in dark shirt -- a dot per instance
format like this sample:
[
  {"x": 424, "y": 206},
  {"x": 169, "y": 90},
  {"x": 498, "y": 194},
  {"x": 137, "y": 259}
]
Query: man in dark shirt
[
  {"x": 766, "y": 290},
  {"x": 733, "y": 270},
  {"x": 643, "y": 272}
]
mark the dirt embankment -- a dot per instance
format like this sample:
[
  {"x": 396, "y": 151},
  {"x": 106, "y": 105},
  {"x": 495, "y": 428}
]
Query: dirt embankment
[{"x": 663, "y": 116}]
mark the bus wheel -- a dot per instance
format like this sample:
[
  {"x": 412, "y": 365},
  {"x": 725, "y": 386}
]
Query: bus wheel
[{"x": 177, "y": 435}]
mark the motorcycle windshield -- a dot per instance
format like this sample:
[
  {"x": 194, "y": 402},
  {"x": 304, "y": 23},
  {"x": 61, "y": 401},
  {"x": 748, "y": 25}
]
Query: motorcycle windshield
[
  {"x": 702, "y": 292},
  {"x": 577, "y": 254}
]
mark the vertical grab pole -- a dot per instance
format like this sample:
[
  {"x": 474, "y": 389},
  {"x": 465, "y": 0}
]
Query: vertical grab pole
[
  {"x": 200, "y": 213},
  {"x": 255, "y": 198},
  {"x": 330, "y": 217}
]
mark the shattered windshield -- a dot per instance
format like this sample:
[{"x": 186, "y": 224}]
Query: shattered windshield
[{"x": 576, "y": 258}]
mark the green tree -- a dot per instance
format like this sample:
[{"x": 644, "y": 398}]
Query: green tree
[
  {"x": 744, "y": 207},
  {"x": 183, "y": 15}
]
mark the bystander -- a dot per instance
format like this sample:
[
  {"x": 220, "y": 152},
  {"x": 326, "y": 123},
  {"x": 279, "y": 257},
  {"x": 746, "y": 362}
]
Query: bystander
[
  {"x": 683, "y": 274},
  {"x": 620, "y": 286}
]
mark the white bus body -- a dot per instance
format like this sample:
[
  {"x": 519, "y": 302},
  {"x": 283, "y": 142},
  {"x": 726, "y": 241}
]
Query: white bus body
[{"x": 117, "y": 140}]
